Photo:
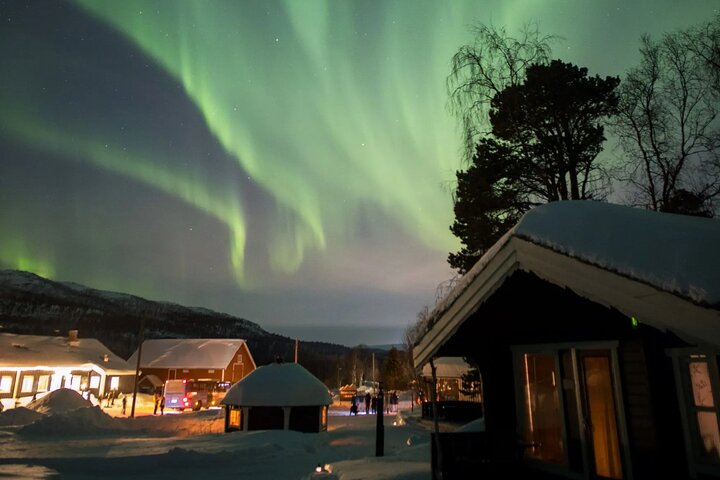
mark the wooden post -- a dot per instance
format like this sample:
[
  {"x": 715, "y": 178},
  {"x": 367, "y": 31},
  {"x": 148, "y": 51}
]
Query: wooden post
[{"x": 438, "y": 446}]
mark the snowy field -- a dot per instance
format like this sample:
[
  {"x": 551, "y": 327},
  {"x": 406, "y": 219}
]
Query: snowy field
[{"x": 65, "y": 436}]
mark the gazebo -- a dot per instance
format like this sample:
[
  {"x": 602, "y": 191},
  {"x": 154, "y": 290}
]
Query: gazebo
[{"x": 279, "y": 396}]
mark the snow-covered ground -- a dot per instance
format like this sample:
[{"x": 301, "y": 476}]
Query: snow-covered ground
[{"x": 63, "y": 434}]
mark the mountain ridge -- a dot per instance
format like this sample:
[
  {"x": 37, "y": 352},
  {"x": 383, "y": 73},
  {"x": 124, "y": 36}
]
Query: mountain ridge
[{"x": 31, "y": 304}]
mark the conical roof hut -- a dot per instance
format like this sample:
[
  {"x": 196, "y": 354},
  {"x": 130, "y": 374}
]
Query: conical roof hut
[{"x": 278, "y": 396}]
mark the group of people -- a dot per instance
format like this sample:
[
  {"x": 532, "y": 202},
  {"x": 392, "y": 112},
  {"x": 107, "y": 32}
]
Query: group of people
[
  {"x": 159, "y": 403},
  {"x": 110, "y": 397},
  {"x": 370, "y": 403}
]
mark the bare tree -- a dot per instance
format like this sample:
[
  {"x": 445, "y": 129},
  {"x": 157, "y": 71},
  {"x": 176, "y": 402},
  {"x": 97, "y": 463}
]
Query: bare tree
[
  {"x": 668, "y": 124},
  {"x": 486, "y": 67},
  {"x": 704, "y": 41}
]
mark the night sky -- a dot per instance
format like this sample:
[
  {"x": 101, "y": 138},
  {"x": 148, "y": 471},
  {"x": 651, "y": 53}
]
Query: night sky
[{"x": 287, "y": 162}]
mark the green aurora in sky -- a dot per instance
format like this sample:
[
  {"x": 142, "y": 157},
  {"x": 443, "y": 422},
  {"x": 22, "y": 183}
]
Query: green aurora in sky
[{"x": 201, "y": 151}]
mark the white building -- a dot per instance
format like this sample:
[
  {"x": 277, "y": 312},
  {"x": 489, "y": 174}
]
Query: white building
[{"x": 35, "y": 364}]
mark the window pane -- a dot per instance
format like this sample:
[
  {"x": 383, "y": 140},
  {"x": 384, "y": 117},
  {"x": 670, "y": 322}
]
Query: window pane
[
  {"x": 542, "y": 429},
  {"x": 43, "y": 383},
  {"x": 709, "y": 437},
  {"x": 235, "y": 417},
  {"x": 6, "y": 382},
  {"x": 114, "y": 383},
  {"x": 700, "y": 381},
  {"x": 27, "y": 383},
  {"x": 601, "y": 410}
]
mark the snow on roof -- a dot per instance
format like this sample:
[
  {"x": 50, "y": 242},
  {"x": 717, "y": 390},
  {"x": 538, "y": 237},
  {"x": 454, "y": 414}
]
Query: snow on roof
[
  {"x": 679, "y": 254},
  {"x": 187, "y": 352},
  {"x": 663, "y": 267},
  {"x": 279, "y": 384},
  {"x": 43, "y": 351},
  {"x": 447, "y": 367}
]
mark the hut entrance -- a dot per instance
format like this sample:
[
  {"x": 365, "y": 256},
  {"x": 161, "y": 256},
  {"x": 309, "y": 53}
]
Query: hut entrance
[{"x": 266, "y": 418}]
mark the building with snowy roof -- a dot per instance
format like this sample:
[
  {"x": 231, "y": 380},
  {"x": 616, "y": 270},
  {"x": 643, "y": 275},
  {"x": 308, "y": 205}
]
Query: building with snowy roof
[
  {"x": 596, "y": 330},
  {"x": 279, "y": 396},
  {"x": 36, "y": 364},
  {"x": 222, "y": 359},
  {"x": 449, "y": 373}
]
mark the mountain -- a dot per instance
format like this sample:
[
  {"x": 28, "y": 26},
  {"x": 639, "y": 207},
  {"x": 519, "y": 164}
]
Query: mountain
[{"x": 30, "y": 304}]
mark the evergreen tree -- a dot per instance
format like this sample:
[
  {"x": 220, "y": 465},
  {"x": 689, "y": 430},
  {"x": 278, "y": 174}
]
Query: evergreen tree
[
  {"x": 546, "y": 136},
  {"x": 394, "y": 374}
]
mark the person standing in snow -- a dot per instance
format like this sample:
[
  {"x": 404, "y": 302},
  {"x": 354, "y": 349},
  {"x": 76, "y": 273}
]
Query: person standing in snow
[
  {"x": 124, "y": 404},
  {"x": 367, "y": 403},
  {"x": 155, "y": 404},
  {"x": 162, "y": 405}
]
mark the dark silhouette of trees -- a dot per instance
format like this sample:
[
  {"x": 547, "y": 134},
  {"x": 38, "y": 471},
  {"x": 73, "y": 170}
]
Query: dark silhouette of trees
[
  {"x": 489, "y": 200},
  {"x": 668, "y": 121},
  {"x": 545, "y": 138},
  {"x": 394, "y": 373}
]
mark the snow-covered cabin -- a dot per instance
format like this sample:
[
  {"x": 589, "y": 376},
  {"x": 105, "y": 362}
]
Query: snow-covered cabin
[
  {"x": 449, "y": 372},
  {"x": 596, "y": 330},
  {"x": 222, "y": 359},
  {"x": 279, "y": 396},
  {"x": 36, "y": 364}
]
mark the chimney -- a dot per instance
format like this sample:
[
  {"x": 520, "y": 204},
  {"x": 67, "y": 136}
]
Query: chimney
[{"x": 73, "y": 338}]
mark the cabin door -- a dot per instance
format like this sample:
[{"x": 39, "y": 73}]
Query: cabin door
[{"x": 599, "y": 414}]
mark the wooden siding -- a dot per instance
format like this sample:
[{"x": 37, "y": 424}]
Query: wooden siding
[{"x": 526, "y": 310}]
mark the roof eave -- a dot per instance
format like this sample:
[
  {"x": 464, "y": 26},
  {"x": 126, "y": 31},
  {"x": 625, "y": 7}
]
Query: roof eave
[
  {"x": 499, "y": 267},
  {"x": 631, "y": 297}
]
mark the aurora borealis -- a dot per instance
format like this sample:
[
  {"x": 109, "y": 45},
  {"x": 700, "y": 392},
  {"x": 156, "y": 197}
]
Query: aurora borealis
[{"x": 290, "y": 162}]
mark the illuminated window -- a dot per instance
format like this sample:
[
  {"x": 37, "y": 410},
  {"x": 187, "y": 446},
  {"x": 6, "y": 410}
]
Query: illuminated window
[
  {"x": 94, "y": 381},
  {"x": 543, "y": 426},
  {"x": 235, "y": 418},
  {"x": 323, "y": 418},
  {"x": 75, "y": 382},
  {"x": 568, "y": 408},
  {"x": 43, "y": 383},
  {"x": 6, "y": 382},
  {"x": 702, "y": 410},
  {"x": 114, "y": 383},
  {"x": 27, "y": 383}
]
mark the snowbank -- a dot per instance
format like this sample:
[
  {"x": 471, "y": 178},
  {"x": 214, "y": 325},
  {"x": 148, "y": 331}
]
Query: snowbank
[
  {"x": 19, "y": 416},
  {"x": 59, "y": 401},
  {"x": 81, "y": 421}
]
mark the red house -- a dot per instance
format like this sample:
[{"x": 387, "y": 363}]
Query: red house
[{"x": 222, "y": 359}]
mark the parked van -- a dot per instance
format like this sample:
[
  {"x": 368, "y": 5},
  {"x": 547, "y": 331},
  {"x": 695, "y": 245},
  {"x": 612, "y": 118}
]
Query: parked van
[{"x": 194, "y": 394}]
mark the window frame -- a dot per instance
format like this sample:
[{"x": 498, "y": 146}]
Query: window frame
[
  {"x": 681, "y": 358},
  {"x": 556, "y": 349},
  {"x": 13, "y": 378},
  {"x": 24, "y": 380}
]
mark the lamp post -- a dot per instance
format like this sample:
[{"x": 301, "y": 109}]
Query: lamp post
[
  {"x": 141, "y": 338},
  {"x": 379, "y": 427}
]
